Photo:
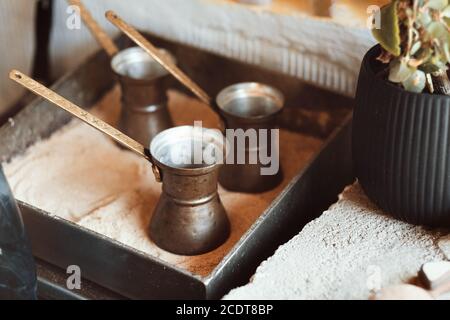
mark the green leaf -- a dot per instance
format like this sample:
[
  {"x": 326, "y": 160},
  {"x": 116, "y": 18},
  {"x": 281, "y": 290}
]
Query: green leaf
[
  {"x": 437, "y": 30},
  {"x": 416, "y": 82},
  {"x": 437, "y": 4},
  {"x": 399, "y": 71},
  {"x": 446, "y": 12},
  {"x": 389, "y": 34}
]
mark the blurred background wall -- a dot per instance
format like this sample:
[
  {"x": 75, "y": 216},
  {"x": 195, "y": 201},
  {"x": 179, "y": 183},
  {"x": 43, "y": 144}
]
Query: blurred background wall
[
  {"x": 285, "y": 36},
  {"x": 17, "y": 45}
]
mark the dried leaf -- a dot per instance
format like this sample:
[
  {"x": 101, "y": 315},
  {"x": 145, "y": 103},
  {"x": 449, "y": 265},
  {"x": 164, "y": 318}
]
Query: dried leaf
[{"x": 429, "y": 68}]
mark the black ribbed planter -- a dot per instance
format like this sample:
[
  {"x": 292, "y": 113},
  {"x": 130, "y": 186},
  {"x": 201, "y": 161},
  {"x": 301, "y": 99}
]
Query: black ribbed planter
[{"x": 401, "y": 148}]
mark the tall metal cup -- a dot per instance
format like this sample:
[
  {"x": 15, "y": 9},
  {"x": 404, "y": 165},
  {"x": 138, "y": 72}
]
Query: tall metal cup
[
  {"x": 189, "y": 218},
  {"x": 250, "y": 112},
  {"x": 144, "y": 83}
]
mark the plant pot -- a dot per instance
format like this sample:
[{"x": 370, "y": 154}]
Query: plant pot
[{"x": 401, "y": 149}]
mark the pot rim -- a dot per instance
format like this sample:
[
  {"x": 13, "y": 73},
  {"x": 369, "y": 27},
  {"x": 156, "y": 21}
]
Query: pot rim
[
  {"x": 121, "y": 57},
  {"x": 238, "y": 90},
  {"x": 164, "y": 137},
  {"x": 368, "y": 64}
]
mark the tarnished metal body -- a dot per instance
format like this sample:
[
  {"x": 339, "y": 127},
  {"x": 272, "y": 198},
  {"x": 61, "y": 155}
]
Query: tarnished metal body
[
  {"x": 189, "y": 218},
  {"x": 144, "y": 101},
  {"x": 250, "y": 110}
]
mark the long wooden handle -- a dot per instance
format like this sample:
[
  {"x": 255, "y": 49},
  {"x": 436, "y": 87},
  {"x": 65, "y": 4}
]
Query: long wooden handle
[
  {"x": 99, "y": 34},
  {"x": 134, "y": 35},
  {"x": 83, "y": 115}
]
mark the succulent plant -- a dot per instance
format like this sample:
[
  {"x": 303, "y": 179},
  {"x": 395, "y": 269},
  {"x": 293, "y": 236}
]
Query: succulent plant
[{"x": 415, "y": 37}]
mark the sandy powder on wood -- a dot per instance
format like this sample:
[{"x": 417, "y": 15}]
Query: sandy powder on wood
[{"x": 80, "y": 175}]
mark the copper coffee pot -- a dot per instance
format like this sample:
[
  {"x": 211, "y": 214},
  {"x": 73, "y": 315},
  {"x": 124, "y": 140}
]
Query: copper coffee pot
[
  {"x": 143, "y": 83},
  {"x": 189, "y": 218}
]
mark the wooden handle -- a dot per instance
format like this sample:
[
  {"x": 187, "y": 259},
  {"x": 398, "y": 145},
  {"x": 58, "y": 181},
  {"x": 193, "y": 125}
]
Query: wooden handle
[
  {"x": 134, "y": 35},
  {"x": 83, "y": 115},
  {"x": 100, "y": 35}
]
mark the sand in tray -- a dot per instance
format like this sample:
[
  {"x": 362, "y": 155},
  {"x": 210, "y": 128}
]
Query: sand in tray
[{"x": 80, "y": 175}]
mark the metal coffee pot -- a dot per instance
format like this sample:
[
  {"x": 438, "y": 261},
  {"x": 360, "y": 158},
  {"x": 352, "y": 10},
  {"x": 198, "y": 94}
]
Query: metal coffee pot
[
  {"x": 189, "y": 218},
  {"x": 144, "y": 83},
  {"x": 250, "y": 112}
]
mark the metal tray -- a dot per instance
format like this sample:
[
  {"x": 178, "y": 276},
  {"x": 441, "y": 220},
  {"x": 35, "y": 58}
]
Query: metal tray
[{"x": 132, "y": 274}]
